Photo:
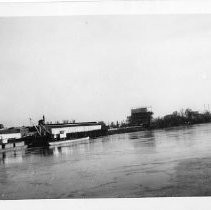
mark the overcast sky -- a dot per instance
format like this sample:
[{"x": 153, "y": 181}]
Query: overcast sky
[{"x": 92, "y": 68}]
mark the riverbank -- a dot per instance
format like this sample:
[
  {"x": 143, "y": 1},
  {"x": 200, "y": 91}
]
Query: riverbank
[
  {"x": 125, "y": 130},
  {"x": 131, "y": 129},
  {"x": 182, "y": 118}
]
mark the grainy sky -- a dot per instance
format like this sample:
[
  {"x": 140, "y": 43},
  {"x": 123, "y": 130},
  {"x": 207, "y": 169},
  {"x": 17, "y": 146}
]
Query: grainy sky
[{"x": 91, "y": 68}]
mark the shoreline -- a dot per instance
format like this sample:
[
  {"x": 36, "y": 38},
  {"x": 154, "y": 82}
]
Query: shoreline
[{"x": 131, "y": 129}]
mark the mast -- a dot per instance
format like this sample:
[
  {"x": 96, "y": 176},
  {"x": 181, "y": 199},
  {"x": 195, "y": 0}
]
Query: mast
[{"x": 35, "y": 126}]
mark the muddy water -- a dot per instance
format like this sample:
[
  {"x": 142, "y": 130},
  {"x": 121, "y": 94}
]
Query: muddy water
[{"x": 172, "y": 162}]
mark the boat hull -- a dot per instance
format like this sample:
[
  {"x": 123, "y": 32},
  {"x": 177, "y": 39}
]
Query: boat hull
[{"x": 66, "y": 142}]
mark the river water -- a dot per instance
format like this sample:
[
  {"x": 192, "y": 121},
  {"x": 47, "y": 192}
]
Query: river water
[{"x": 171, "y": 162}]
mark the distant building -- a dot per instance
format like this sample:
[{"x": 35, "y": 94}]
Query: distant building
[
  {"x": 1, "y": 126},
  {"x": 140, "y": 116}
]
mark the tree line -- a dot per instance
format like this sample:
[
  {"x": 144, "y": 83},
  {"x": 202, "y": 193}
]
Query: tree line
[{"x": 187, "y": 117}]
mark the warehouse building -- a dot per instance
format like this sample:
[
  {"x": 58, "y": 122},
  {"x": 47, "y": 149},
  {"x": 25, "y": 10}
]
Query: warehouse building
[{"x": 73, "y": 130}]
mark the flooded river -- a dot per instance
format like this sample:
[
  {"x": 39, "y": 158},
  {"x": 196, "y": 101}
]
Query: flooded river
[{"x": 172, "y": 162}]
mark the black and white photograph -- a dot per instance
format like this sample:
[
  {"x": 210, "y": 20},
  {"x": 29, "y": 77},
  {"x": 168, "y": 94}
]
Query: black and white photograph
[{"x": 105, "y": 106}]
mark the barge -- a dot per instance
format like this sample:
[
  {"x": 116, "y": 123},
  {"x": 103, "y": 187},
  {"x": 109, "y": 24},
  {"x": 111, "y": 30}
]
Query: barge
[
  {"x": 64, "y": 133},
  {"x": 11, "y": 139}
]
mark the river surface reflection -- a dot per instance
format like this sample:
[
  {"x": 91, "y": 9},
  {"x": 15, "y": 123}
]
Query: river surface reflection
[{"x": 171, "y": 162}]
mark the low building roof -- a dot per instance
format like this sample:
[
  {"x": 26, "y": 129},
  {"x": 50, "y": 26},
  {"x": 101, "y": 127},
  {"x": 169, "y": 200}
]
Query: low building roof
[
  {"x": 10, "y": 130},
  {"x": 61, "y": 125}
]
